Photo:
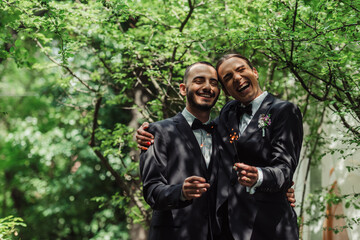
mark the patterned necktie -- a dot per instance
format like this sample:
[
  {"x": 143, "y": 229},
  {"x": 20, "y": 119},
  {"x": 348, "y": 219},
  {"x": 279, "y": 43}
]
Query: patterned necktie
[{"x": 197, "y": 124}]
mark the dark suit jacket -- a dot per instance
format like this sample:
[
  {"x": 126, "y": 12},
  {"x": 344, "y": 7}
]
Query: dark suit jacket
[
  {"x": 174, "y": 156},
  {"x": 266, "y": 214}
]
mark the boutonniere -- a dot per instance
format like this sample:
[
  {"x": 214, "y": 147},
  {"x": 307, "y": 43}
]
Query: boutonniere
[{"x": 264, "y": 122}]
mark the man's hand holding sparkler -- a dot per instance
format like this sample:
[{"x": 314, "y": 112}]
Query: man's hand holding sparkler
[
  {"x": 247, "y": 175},
  {"x": 194, "y": 187}
]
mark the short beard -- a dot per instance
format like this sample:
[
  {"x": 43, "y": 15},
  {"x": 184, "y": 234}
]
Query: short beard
[{"x": 202, "y": 107}]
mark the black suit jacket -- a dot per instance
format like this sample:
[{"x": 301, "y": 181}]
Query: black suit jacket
[
  {"x": 174, "y": 156},
  {"x": 266, "y": 214}
]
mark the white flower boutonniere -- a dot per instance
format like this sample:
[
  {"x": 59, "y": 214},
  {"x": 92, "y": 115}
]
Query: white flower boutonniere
[{"x": 264, "y": 122}]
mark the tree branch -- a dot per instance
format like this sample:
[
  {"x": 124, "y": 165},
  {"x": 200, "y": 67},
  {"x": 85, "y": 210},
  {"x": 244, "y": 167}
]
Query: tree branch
[
  {"x": 95, "y": 124},
  {"x": 293, "y": 29},
  {"x": 63, "y": 66},
  {"x": 187, "y": 16},
  {"x": 147, "y": 89},
  {"x": 309, "y": 162},
  {"x": 346, "y": 124},
  {"x": 357, "y": 10}
]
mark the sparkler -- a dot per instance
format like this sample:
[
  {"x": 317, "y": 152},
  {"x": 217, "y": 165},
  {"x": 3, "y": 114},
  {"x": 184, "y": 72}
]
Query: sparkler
[{"x": 234, "y": 136}]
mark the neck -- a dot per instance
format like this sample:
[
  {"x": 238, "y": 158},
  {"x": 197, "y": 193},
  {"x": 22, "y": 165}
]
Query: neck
[
  {"x": 202, "y": 115},
  {"x": 257, "y": 95}
]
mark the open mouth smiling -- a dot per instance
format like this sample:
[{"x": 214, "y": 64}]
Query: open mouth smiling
[
  {"x": 244, "y": 87},
  {"x": 205, "y": 95}
]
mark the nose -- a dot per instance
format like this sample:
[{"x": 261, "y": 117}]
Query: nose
[
  {"x": 207, "y": 85},
  {"x": 237, "y": 77}
]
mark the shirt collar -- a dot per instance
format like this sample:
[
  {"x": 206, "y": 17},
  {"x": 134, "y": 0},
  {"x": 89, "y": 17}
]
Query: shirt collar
[
  {"x": 190, "y": 118},
  {"x": 255, "y": 104}
]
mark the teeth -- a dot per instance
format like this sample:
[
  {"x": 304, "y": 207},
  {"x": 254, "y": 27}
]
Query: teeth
[{"x": 243, "y": 87}]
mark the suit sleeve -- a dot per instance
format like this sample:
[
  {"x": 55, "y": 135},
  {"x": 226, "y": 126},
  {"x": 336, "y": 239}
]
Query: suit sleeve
[
  {"x": 158, "y": 193},
  {"x": 285, "y": 145}
]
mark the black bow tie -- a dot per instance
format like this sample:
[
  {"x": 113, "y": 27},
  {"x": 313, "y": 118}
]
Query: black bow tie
[
  {"x": 197, "y": 124},
  {"x": 240, "y": 110}
]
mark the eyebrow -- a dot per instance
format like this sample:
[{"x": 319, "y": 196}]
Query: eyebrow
[
  {"x": 228, "y": 74},
  {"x": 243, "y": 65}
]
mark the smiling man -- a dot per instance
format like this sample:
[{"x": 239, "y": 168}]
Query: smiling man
[
  {"x": 251, "y": 200},
  {"x": 257, "y": 168},
  {"x": 245, "y": 86},
  {"x": 179, "y": 170}
]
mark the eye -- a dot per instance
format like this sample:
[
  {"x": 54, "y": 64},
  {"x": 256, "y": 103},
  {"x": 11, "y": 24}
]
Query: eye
[
  {"x": 214, "y": 82},
  {"x": 227, "y": 77},
  {"x": 198, "y": 80},
  {"x": 240, "y": 69}
]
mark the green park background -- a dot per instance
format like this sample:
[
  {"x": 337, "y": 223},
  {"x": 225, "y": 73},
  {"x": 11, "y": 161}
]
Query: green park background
[{"x": 78, "y": 77}]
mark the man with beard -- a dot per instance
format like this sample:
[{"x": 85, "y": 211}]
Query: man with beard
[
  {"x": 179, "y": 170},
  {"x": 257, "y": 207}
]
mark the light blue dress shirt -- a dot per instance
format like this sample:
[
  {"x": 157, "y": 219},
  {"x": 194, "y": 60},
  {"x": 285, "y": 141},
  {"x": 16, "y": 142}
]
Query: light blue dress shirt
[
  {"x": 203, "y": 138},
  {"x": 244, "y": 122}
]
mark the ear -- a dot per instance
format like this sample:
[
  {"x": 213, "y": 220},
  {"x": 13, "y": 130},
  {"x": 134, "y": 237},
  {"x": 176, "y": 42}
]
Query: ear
[
  {"x": 182, "y": 88},
  {"x": 256, "y": 73}
]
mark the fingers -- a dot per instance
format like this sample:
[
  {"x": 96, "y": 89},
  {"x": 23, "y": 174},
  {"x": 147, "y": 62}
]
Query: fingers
[
  {"x": 251, "y": 175},
  {"x": 247, "y": 175},
  {"x": 195, "y": 178},
  {"x": 142, "y": 148},
  {"x": 194, "y": 187},
  {"x": 291, "y": 196},
  {"x": 143, "y": 141},
  {"x": 193, "y": 193},
  {"x": 195, "y": 182},
  {"x": 245, "y": 181},
  {"x": 145, "y": 125},
  {"x": 143, "y": 134},
  {"x": 245, "y": 167},
  {"x": 144, "y": 138},
  {"x": 291, "y": 200}
]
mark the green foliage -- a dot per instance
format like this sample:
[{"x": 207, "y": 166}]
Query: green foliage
[
  {"x": 77, "y": 77},
  {"x": 8, "y": 226},
  {"x": 325, "y": 197}
]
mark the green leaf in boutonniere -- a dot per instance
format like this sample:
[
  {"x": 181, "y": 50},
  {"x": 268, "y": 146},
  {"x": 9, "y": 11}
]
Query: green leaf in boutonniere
[{"x": 264, "y": 122}]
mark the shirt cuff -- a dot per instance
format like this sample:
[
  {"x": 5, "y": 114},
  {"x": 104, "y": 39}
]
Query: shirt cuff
[
  {"x": 251, "y": 190},
  {"x": 182, "y": 197}
]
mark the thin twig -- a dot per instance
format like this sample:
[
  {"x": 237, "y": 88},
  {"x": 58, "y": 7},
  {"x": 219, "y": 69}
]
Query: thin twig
[{"x": 63, "y": 66}]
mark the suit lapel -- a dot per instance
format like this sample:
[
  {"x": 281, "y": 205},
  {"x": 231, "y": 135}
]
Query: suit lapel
[
  {"x": 232, "y": 122},
  {"x": 213, "y": 165},
  {"x": 189, "y": 139},
  {"x": 253, "y": 125}
]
